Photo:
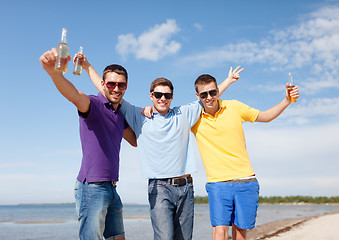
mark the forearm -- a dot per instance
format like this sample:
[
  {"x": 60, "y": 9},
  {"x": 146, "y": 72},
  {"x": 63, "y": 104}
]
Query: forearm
[
  {"x": 65, "y": 87},
  {"x": 232, "y": 77},
  {"x": 223, "y": 86},
  {"x": 273, "y": 112},
  {"x": 68, "y": 90}
]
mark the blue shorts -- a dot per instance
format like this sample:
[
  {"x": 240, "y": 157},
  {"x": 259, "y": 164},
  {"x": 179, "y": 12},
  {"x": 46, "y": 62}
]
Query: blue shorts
[
  {"x": 233, "y": 203},
  {"x": 99, "y": 211}
]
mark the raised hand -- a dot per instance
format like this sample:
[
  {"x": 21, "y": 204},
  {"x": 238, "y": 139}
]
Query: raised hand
[
  {"x": 48, "y": 59},
  {"x": 233, "y": 75}
]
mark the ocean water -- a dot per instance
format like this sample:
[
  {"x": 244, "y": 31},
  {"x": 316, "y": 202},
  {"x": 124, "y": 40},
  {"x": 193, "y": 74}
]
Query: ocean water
[{"x": 26, "y": 222}]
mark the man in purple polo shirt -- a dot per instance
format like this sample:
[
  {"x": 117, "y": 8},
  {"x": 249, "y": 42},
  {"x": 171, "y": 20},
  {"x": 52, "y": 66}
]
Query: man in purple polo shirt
[{"x": 102, "y": 128}]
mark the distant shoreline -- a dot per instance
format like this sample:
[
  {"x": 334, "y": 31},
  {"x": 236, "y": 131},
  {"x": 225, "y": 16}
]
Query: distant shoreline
[{"x": 136, "y": 204}]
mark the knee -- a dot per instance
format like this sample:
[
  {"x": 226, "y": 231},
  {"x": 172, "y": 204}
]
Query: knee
[{"x": 220, "y": 232}]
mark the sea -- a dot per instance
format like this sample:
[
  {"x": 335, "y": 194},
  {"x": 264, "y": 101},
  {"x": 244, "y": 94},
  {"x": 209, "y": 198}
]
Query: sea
[{"x": 28, "y": 222}]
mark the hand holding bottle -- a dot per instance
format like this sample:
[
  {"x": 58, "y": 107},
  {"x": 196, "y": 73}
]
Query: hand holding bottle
[
  {"x": 78, "y": 61},
  {"x": 292, "y": 90},
  {"x": 49, "y": 59}
]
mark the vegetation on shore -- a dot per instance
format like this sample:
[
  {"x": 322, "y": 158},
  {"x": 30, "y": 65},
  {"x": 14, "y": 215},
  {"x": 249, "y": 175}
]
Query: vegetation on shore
[{"x": 284, "y": 200}]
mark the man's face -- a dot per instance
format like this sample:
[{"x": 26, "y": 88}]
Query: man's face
[
  {"x": 114, "y": 87},
  {"x": 204, "y": 94},
  {"x": 161, "y": 104}
]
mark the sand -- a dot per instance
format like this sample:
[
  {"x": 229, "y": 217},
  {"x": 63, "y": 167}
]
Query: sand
[{"x": 324, "y": 227}]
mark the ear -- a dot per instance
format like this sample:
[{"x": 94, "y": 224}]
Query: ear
[
  {"x": 197, "y": 95},
  {"x": 151, "y": 96},
  {"x": 102, "y": 83}
]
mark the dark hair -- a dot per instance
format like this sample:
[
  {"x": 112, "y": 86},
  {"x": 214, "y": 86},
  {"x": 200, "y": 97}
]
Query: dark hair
[
  {"x": 203, "y": 80},
  {"x": 161, "y": 82},
  {"x": 115, "y": 68}
]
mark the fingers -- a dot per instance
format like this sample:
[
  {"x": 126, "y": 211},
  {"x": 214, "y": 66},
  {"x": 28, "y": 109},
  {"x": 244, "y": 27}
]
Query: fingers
[
  {"x": 237, "y": 71},
  {"x": 295, "y": 92},
  {"x": 78, "y": 55},
  {"x": 49, "y": 56},
  {"x": 240, "y": 70}
]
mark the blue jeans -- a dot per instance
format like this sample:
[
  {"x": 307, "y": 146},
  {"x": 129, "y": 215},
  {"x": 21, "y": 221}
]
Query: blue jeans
[
  {"x": 172, "y": 210},
  {"x": 99, "y": 211}
]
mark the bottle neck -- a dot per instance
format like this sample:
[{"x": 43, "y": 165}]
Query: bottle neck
[{"x": 64, "y": 36}]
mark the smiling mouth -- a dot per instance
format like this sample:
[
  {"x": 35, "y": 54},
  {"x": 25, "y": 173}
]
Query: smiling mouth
[{"x": 162, "y": 104}]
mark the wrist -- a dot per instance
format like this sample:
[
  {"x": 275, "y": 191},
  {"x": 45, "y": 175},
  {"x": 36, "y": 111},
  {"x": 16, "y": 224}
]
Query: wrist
[
  {"x": 287, "y": 100},
  {"x": 54, "y": 73},
  {"x": 86, "y": 66}
]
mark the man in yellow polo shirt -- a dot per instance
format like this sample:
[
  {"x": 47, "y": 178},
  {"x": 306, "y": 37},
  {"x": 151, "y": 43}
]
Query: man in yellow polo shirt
[{"x": 232, "y": 187}]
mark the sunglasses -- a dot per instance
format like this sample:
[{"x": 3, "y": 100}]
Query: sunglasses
[
  {"x": 160, "y": 94},
  {"x": 212, "y": 93},
  {"x": 121, "y": 85}
]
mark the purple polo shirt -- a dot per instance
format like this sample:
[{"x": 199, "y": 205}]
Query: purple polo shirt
[{"x": 101, "y": 133}]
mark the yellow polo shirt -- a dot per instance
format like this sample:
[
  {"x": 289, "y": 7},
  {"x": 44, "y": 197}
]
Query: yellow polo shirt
[{"x": 221, "y": 141}]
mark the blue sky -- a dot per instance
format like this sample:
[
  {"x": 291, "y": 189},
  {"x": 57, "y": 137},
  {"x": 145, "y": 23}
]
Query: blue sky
[{"x": 296, "y": 154}]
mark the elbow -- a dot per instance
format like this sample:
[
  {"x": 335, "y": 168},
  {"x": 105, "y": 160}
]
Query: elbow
[{"x": 268, "y": 120}]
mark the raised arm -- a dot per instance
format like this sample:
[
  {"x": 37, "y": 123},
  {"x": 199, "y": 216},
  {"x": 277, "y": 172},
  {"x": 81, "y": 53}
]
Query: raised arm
[
  {"x": 233, "y": 76},
  {"x": 275, "y": 111},
  {"x": 65, "y": 87},
  {"x": 93, "y": 75}
]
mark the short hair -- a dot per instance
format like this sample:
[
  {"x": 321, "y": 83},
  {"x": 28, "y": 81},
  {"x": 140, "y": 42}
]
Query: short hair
[
  {"x": 118, "y": 69},
  {"x": 161, "y": 82},
  {"x": 203, "y": 80}
]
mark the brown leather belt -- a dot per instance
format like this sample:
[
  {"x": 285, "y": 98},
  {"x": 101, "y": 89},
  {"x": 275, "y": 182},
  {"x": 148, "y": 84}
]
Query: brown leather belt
[
  {"x": 178, "y": 181},
  {"x": 242, "y": 180}
]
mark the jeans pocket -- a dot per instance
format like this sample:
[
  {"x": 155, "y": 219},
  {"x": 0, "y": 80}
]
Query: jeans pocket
[{"x": 96, "y": 184}]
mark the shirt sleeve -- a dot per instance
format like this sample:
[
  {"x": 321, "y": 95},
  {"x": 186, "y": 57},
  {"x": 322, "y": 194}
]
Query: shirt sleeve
[
  {"x": 192, "y": 111},
  {"x": 92, "y": 111},
  {"x": 247, "y": 113},
  {"x": 133, "y": 116}
]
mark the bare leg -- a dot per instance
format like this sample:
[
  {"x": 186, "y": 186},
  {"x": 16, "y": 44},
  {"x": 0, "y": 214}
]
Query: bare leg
[
  {"x": 220, "y": 233},
  {"x": 238, "y": 233}
]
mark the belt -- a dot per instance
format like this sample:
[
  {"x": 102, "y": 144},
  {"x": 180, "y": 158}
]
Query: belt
[
  {"x": 110, "y": 182},
  {"x": 242, "y": 180},
  {"x": 178, "y": 181}
]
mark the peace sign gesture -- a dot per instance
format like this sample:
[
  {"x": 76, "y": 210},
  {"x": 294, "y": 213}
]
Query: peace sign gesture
[{"x": 233, "y": 75}]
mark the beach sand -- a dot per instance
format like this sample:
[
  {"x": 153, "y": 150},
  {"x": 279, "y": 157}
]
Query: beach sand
[{"x": 317, "y": 227}]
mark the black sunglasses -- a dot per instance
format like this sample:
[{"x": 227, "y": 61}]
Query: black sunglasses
[
  {"x": 160, "y": 94},
  {"x": 212, "y": 93},
  {"x": 121, "y": 85}
]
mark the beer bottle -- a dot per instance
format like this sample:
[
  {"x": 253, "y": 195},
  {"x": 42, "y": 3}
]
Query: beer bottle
[
  {"x": 290, "y": 87},
  {"x": 62, "y": 49},
  {"x": 78, "y": 63}
]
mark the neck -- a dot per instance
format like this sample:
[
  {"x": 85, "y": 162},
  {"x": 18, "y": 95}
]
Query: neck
[
  {"x": 161, "y": 112},
  {"x": 212, "y": 111},
  {"x": 115, "y": 106}
]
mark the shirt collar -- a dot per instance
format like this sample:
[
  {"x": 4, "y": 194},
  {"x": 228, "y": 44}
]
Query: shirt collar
[
  {"x": 107, "y": 103},
  {"x": 222, "y": 106}
]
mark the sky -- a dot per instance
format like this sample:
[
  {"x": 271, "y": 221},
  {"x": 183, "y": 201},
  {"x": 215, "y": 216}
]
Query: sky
[{"x": 296, "y": 154}]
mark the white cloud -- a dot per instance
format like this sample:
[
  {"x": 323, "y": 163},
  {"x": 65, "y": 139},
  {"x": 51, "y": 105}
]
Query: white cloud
[
  {"x": 152, "y": 45},
  {"x": 312, "y": 46},
  {"x": 295, "y": 160},
  {"x": 198, "y": 26},
  {"x": 315, "y": 107}
]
